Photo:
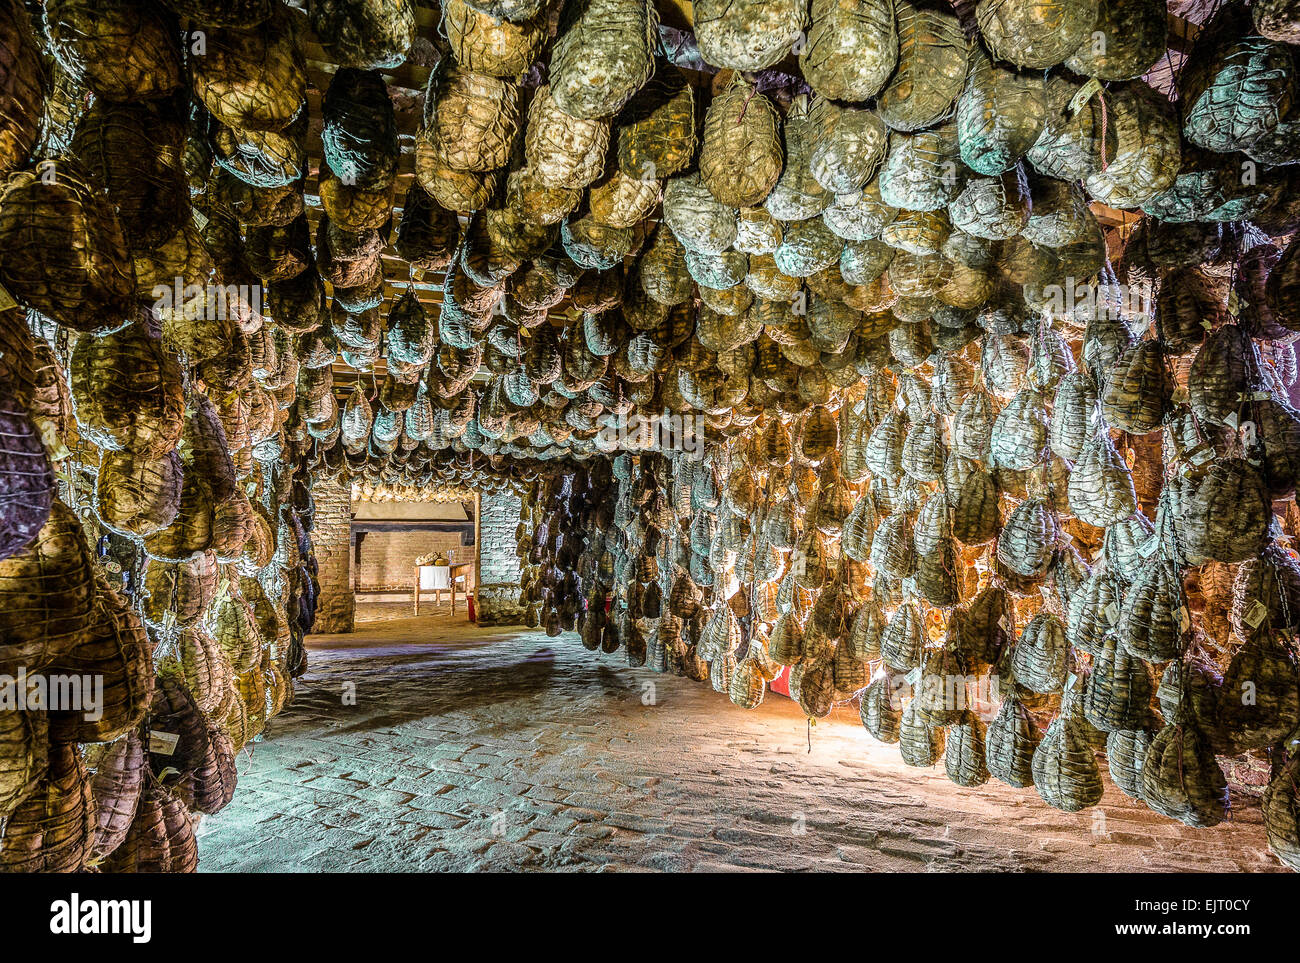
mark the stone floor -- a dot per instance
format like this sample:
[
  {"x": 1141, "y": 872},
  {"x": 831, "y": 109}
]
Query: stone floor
[
  {"x": 427, "y": 744},
  {"x": 387, "y": 610}
]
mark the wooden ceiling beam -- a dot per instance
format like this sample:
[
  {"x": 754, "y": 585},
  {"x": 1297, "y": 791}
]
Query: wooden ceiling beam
[{"x": 1182, "y": 33}]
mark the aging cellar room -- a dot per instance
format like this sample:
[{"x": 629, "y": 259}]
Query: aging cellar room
[{"x": 599, "y": 435}]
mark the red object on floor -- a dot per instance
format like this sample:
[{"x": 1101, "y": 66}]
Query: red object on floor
[
  {"x": 469, "y": 605},
  {"x": 781, "y": 683}
]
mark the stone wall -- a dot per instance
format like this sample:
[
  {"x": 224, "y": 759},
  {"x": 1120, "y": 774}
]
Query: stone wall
[
  {"x": 498, "y": 605},
  {"x": 388, "y": 558},
  {"x": 497, "y": 597},
  {"x": 331, "y": 536}
]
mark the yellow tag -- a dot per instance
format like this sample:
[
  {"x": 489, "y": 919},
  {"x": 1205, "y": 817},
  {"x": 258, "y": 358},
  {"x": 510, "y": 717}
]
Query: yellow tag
[
  {"x": 6, "y": 299},
  {"x": 1234, "y": 303},
  {"x": 1083, "y": 95}
]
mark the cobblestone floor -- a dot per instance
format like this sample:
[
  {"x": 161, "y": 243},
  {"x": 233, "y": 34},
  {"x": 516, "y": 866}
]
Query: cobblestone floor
[
  {"x": 387, "y": 611},
  {"x": 473, "y": 748}
]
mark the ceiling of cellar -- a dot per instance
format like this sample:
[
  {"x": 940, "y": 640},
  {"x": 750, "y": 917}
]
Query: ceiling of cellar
[{"x": 407, "y": 86}]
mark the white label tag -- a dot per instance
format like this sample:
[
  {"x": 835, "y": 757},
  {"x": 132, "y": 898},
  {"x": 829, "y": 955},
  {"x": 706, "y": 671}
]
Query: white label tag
[
  {"x": 163, "y": 743},
  {"x": 1201, "y": 456},
  {"x": 200, "y": 219},
  {"x": 914, "y": 676},
  {"x": 1256, "y": 614},
  {"x": 1111, "y": 613}
]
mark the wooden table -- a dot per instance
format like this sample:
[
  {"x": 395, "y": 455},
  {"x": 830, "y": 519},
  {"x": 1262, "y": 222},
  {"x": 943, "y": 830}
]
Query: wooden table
[{"x": 457, "y": 570}]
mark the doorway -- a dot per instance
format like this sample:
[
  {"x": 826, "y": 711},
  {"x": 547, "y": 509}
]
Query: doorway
[{"x": 414, "y": 557}]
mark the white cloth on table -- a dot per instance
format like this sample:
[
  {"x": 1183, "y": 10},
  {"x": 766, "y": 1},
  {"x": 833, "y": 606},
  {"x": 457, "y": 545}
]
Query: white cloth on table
[{"x": 434, "y": 577}]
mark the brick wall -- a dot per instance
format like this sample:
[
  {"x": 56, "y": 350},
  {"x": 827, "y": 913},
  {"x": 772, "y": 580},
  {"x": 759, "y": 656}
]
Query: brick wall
[
  {"x": 336, "y": 609},
  {"x": 497, "y": 598},
  {"x": 388, "y": 558}
]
